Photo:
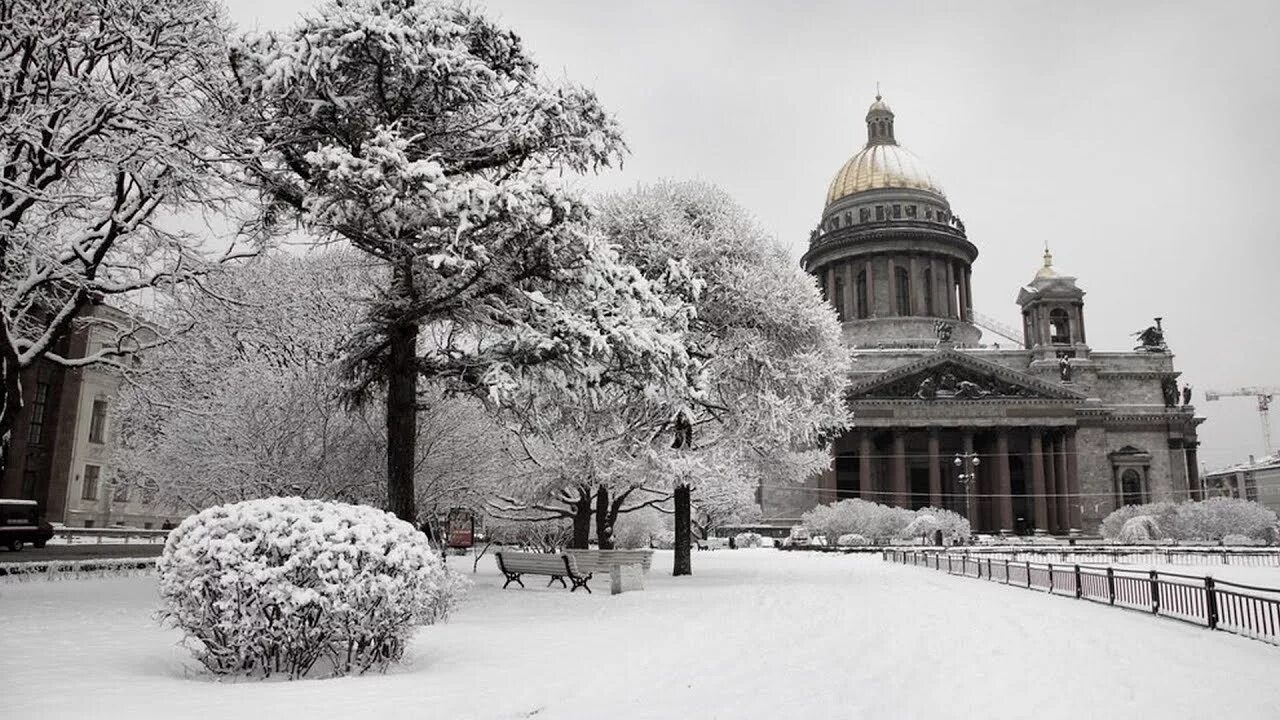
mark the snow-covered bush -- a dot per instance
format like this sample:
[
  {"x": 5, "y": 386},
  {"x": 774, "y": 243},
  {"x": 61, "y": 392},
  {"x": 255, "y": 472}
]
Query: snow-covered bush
[
  {"x": 852, "y": 540},
  {"x": 1140, "y": 529},
  {"x": 880, "y": 523},
  {"x": 1240, "y": 540},
  {"x": 635, "y": 529},
  {"x": 1201, "y": 521},
  {"x": 665, "y": 540},
  {"x": 924, "y": 526},
  {"x": 294, "y": 587},
  {"x": 747, "y": 540}
]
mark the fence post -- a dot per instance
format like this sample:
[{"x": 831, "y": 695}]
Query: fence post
[
  {"x": 978, "y": 562},
  {"x": 1210, "y": 603},
  {"x": 1155, "y": 593},
  {"x": 989, "y": 575},
  {"x": 1079, "y": 590},
  {"x": 1050, "y": 578},
  {"x": 1111, "y": 585},
  {"x": 1007, "y": 579},
  {"x": 948, "y": 563},
  {"x": 1028, "y": 574}
]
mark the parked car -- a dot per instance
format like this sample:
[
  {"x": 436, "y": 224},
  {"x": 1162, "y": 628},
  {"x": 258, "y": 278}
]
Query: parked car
[{"x": 20, "y": 525}]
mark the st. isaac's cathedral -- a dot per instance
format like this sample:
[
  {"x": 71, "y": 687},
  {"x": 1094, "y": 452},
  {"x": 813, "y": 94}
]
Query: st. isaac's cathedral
[{"x": 1061, "y": 434}]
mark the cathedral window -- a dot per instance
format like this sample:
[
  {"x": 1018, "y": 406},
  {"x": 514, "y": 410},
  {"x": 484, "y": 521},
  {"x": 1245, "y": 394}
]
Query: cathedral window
[
  {"x": 1059, "y": 327},
  {"x": 838, "y": 300},
  {"x": 879, "y": 213},
  {"x": 897, "y": 211},
  {"x": 903, "y": 279},
  {"x": 864, "y": 214},
  {"x": 911, "y": 211},
  {"x": 861, "y": 297},
  {"x": 848, "y": 219},
  {"x": 1130, "y": 487}
]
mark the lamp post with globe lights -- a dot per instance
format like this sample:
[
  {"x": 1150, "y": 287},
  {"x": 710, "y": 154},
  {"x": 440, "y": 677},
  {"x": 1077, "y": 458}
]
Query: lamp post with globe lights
[{"x": 967, "y": 463}]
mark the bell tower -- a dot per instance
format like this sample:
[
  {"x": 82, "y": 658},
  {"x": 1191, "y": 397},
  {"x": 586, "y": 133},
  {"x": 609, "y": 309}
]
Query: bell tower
[{"x": 1053, "y": 314}]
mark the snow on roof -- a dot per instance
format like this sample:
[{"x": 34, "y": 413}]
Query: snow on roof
[
  {"x": 15, "y": 501},
  {"x": 1267, "y": 462}
]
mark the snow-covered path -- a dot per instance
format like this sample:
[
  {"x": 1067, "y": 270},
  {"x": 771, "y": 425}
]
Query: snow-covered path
[{"x": 755, "y": 634}]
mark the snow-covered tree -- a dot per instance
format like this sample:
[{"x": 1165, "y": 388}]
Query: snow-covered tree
[
  {"x": 109, "y": 111},
  {"x": 775, "y": 368},
  {"x": 1140, "y": 529},
  {"x": 1205, "y": 521},
  {"x": 422, "y": 134}
]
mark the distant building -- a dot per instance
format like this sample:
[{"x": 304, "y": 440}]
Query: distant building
[
  {"x": 59, "y": 452},
  {"x": 1063, "y": 434},
  {"x": 1254, "y": 480}
]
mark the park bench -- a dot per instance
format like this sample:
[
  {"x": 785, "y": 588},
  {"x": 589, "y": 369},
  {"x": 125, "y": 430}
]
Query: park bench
[
  {"x": 558, "y": 566},
  {"x": 712, "y": 543},
  {"x": 599, "y": 561}
]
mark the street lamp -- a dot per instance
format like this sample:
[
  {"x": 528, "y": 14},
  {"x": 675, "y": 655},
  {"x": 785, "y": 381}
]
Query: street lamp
[{"x": 967, "y": 464}]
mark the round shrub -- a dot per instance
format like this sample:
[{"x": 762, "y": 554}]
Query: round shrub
[
  {"x": 748, "y": 540},
  {"x": 852, "y": 540},
  {"x": 296, "y": 587},
  {"x": 1139, "y": 529}
]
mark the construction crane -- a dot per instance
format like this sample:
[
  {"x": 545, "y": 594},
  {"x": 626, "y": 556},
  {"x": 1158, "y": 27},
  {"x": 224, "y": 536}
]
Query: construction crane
[
  {"x": 995, "y": 326},
  {"x": 1263, "y": 396}
]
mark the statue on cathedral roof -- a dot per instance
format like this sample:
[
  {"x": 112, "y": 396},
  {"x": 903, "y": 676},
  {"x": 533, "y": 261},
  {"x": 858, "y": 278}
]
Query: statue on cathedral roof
[{"x": 1152, "y": 339}]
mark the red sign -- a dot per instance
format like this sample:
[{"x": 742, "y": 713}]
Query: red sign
[{"x": 461, "y": 529}]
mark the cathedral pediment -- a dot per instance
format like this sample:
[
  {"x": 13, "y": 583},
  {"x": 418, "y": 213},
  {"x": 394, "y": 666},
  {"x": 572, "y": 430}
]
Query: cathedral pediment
[{"x": 949, "y": 376}]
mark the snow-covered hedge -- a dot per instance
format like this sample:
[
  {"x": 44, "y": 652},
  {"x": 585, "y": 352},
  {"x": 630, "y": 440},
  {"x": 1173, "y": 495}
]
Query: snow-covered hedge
[
  {"x": 1205, "y": 521},
  {"x": 852, "y": 540},
  {"x": 880, "y": 523},
  {"x": 1139, "y": 530},
  {"x": 296, "y": 587},
  {"x": 748, "y": 540}
]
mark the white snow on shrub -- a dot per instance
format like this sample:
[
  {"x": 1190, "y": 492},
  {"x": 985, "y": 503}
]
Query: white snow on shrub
[
  {"x": 748, "y": 540},
  {"x": 296, "y": 587},
  {"x": 852, "y": 540},
  {"x": 1140, "y": 529}
]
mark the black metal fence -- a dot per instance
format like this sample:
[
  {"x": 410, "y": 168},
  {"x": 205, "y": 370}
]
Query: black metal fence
[
  {"x": 1247, "y": 557},
  {"x": 1200, "y": 600}
]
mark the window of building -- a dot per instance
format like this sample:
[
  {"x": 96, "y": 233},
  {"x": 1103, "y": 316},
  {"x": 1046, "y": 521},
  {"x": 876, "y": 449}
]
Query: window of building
[
  {"x": 928, "y": 213},
  {"x": 39, "y": 408},
  {"x": 863, "y": 304},
  {"x": 879, "y": 213},
  {"x": 88, "y": 523},
  {"x": 1059, "y": 327},
  {"x": 90, "y": 489},
  {"x": 911, "y": 211},
  {"x": 1130, "y": 487},
  {"x": 864, "y": 214},
  {"x": 98, "y": 422},
  {"x": 897, "y": 211},
  {"x": 147, "y": 526},
  {"x": 928, "y": 291},
  {"x": 29, "y": 478},
  {"x": 904, "y": 290},
  {"x": 839, "y": 299},
  {"x": 848, "y": 219}
]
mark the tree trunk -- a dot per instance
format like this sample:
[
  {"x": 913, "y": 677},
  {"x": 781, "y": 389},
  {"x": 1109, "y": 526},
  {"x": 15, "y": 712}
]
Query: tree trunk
[
  {"x": 604, "y": 524},
  {"x": 581, "y": 521},
  {"x": 11, "y": 389},
  {"x": 683, "y": 564},
  {"x": 402, "y": 410}
]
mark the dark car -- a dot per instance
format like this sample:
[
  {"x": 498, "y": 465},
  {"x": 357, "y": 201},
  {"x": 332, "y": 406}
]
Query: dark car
[{"x": 20, "y": 525}]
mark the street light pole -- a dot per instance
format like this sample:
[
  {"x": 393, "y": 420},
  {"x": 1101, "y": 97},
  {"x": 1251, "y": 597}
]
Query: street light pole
[{"x": 967, "y": 464}]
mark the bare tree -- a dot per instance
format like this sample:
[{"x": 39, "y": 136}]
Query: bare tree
[{"x": 108, "y": 111}]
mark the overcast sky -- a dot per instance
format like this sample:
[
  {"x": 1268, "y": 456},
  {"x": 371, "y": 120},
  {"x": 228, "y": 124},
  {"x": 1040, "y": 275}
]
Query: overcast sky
[{"x": 1138, "y": 139}]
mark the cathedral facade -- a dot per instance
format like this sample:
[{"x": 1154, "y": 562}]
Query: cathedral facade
[{"x": 1041, "y": 434}]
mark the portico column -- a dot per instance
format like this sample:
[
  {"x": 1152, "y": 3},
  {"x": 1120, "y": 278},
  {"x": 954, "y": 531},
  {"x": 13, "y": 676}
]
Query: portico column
[
  {"x": 871, "y": 291},
  {"x": 1060, "y": 472},
  {"x": 893, "y": 286},
  {"x": 968, "y": 295},
  {"x": 914, "y": 297},
  {"x": 1051, "y": 484},
  {"x": 1075, "y": 508},
  {"x": 865, "y": 487},
  {"x": 935, "y": 469},
  {"x": 951, "y": 288},
  {"x": 1193, "y": 471},
  {"x": 1039, "y": 504},
  {"x": 900, "y": 469},
  {"x": 1004, "y": 487}
]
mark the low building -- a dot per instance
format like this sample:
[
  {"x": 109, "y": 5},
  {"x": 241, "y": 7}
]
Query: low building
[
  {"x": 59, "y": 452},
  {"x": 1257, "y": 480}
]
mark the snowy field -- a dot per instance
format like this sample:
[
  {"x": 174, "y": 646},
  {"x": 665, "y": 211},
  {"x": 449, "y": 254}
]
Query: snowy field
[{"x": 755, "y": 634}]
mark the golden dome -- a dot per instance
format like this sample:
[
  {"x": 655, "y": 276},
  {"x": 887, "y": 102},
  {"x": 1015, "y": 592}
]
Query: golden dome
[{"x": 881, "y": 165}]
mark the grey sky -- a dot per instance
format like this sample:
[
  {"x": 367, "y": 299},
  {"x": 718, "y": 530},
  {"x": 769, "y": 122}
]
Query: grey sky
[{"x": 1139, "y": 140}]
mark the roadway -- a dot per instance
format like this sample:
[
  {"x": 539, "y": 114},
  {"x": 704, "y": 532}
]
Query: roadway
[{"x": 82, "y": 551}]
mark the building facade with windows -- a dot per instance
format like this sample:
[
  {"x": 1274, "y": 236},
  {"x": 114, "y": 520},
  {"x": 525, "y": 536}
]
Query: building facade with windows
[
  {"x": 1037, "y": 432},
  {"x": 1257, "y": 480},
  {"x": 59, "y": 452}
]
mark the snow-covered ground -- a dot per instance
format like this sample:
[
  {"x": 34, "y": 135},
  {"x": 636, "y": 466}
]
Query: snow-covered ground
[{"x": 754, "y": 634}]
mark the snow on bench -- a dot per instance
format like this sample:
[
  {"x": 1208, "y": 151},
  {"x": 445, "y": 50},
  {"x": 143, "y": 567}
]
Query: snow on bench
[
  {"x": 601, "y": 560},
  {"x": 558, "y": 566},
  {"x": 712, "y": 543}
]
